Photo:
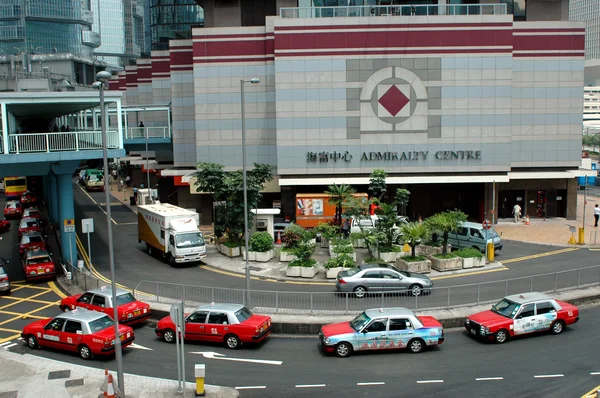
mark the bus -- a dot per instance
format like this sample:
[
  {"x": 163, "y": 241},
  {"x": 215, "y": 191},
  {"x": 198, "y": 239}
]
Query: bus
[{"x": 15, "y": 186}]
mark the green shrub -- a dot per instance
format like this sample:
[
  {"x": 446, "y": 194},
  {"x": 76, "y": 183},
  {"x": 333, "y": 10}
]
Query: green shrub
[
  {"x": 411, "y": 259},
  {"x": 343, "y": 260},
  {"x": 293, "y": 235},
  {"x": 445, "y": 256},
  {"x": 356, "y": 236},
  {"x": 326, "y": 230},
  {"x": 261, "y": 242},
  {"x": 340, "y": 241},
  {"x": 232, "y": 245},
  {"x": 373, "y": 260},
  {"x": 469, "y": 253},
  {"x": 303, "y": 253},
  {"x": 343, "y": 249},
  {"x": 297, "y": 263}
]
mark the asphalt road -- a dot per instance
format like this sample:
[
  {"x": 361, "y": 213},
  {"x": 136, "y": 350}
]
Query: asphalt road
[{"x": 538, "y": 366}]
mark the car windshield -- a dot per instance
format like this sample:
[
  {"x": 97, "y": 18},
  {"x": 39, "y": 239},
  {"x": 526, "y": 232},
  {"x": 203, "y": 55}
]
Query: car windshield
[
  {"x": 101, "y": 324},
  {"x": 243, "y": 314},
  {"x": 404, "y": 273},
  {"x": 39, "y": 260},
  {"x": 506, "y": 308},
  {"x": 35, "y": 239},
  {"x": 125, "y": 299},
  {"x": 492, "y": 234},
  {"x": 360, "y": 321},
  {"x": 190, "y": 239}
]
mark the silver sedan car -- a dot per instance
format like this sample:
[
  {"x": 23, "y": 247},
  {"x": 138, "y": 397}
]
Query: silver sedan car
[{"x": 381, "y": 279}]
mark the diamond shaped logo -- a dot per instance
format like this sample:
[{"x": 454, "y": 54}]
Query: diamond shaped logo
[{"x": 393, "y": 100}]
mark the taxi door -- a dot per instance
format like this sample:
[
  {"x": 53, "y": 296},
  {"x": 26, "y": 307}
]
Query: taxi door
[
  {"x": 374, "y": 336},
  {"x": 526, "y": 320},
  {"x": 84, "y": 301},
  {"x": 71, "y": 336},
  {"x": 400, "y": 332},
  {"x": 217, "y": 326},
  {"x": 50, "y": 336},
  {"x": 99, "y": 304},
  {"x": 195, "y": 325}
]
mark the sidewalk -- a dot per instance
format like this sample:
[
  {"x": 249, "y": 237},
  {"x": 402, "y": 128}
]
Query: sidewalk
[{"x": 29, "y": 376}]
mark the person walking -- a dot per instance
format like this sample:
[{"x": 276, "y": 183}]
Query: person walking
[
  {"x": 596, "y": 215},
  {"x": 517, "y": 212},
  {"x": 346, "y": 228}
]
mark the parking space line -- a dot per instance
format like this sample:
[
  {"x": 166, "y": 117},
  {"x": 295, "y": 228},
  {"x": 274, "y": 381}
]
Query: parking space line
[
  {"x": 19, "y": 314},
  {"x": 28, "y": 313},
  {"x": 6, "y": 347},
  {"x": 32, "y": 287},
  {"x": 19, "y": 300},
  {"x": 24, "y": 299},
  {"x": 16, "y": 282},
  {"x": 17, "y": 288},
  {"x": 10, "y": 338},
  {"x": 9, "y": 330}
]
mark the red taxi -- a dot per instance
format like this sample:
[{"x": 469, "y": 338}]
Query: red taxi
[
  {"x": 37, "y": 264},
  {"x": 28, "y": 198},
  {"x": 131, "y": 311},
  {"x": 86, "y": 332},
  {"x": 4, "y": 226},
  {"x": 28, "y": 225},
  {"x": 522, "y": 314},
  {"x": 231, "y": 324},
  {"x": 32, "y": 212},
  {"x": 31, "y": 241},
  {"x": 13, "y": 209}
]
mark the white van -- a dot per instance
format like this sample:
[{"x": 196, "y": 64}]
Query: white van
[{"x": 473, "y": 235}]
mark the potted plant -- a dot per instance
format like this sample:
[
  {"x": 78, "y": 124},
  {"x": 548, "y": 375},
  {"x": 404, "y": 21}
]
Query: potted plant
[
  {"x": 261, "y": 247},
  {"x": 419, "y": 264},
  {"x": 326, "y": 232},
  {"x": 358, "y": 240},
  {"x": 339, "y": 263},
  {"x": 413, "y": 233},
  {"x": 446, "y": 262},
  {"x": 444, "y": 224},
  {"x": 303, "y": 266},
  {"x": 292, "y": 236},
  {"x": 231, "y": 249},
  {"x": 342, "y": 246},
  {"x": 471, "y": 257}
]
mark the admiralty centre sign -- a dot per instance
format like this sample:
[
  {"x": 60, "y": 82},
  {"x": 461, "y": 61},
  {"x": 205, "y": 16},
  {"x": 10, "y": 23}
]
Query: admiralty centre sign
[{"x": 346, "y": 156}]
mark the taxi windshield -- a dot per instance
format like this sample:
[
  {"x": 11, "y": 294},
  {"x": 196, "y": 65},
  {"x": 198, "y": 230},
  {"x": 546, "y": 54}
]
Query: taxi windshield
[
  {"x": 359, "y": 322},
  {"x": 243, "y": 314},
  {"x": 125, "y": 299},
  {"x": 39, "y": 260},
  {"x": 190, "y": 239},
  {"x": 101, "y": 324},
  {"x": 506, "y": 308}
]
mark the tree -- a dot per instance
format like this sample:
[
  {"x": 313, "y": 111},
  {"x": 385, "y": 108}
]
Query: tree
[
  {"x": 414, "y": 233},
  {"x": 445, "y": 223},
  {"x": 339, "y": 194},
  {"x": 357, "y": 209},
  {"x": 377, "y": 184},
  {"x": 402, "y": 197},
  {"x": 386, "y": 221},
  {"x": 227, "y": 188}
]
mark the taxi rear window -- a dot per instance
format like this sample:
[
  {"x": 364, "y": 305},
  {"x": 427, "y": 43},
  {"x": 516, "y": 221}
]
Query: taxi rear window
[
  {"x": 101, "y": 324},
  {"x": 243, "y": 314}
]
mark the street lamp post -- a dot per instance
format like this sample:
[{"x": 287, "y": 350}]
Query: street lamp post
[
  {"x": 102, "y": 78},
  {"x": 254, "y": 80}
]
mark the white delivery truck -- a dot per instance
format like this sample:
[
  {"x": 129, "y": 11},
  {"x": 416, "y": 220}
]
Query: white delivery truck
[{"x": 171, "y": 231}]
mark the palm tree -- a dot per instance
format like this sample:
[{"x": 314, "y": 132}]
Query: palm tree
[
  {"x": 413, "y": 233},
  {"x": 445, "y": 223},
  {"x": 339, "y": 194}
]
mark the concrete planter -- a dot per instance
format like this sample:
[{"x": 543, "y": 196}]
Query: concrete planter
[
  {"x": 388, "y": 257},
  {"x": 473, "y": 262},
  {"x": 422, "y": 267},
  {"x": 293, "y": 271},
  {"x": 446, "y": 264},
  {"x": 251, "y": 255},
  {"x": 402, "y": 254},
  {"x": 359, "y": 243},
  {"x": 331, "y": 273},
  {"x": 352, "y": 255},
  {"x": 286, "y": 257},
  {"x": 231, "y": 251},
  {"x": 423, "y": 250},
  {"x": 308, "y": 272},
  {"x": 262, "y": 257}
]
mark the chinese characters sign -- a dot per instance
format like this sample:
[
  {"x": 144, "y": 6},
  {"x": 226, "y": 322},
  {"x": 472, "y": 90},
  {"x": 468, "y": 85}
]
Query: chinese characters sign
[
  {"x": 330, "y": 157},
  {"x": 325, "y": 157}
]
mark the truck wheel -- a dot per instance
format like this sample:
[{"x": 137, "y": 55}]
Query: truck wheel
[
  {"x": 172, "y": 262},
  {"x": 149, "y": 248}
]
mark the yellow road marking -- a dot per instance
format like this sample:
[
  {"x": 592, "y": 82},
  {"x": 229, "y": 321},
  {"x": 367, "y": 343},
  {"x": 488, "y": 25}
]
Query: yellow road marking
[
  {"x": 25, "y": 299},
  {"x": 20, "y": 300},
  {"x": 9, "y": 330},
  {"x": 256, "y": 278},
  {"x": 437, "y": 278},
  {"x": 593, "y": 393},
  {"x": 16, "y": 282},
  {"x": 552, "y": 253},
  {"x": 93, "y": 270},
  {"x": 17, "y": 289},
  {"x": 18, "y": 314},
  {"x": 24, "y": 316},
  {"x": 595, "y": 250},
  {"x": 96, "y": 203},
  {"x": 4, "y": 340},
  {"x": 34, "y": 287},
  {"x": 55, "y": 289}
]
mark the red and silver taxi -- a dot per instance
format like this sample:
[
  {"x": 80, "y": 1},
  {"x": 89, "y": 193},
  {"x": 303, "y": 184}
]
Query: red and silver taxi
[
  {"x": 231, "y": 324},
  {"x": 382, "y": 329},
  {"x": 130, "y": 309},
  {"x": 32, "y": 212},
  {"x": 86, "y": 332},
  {"x": 522, "y": 314},
  {"x": 31, "y": 241},
  {"x": 37, "y": 264},
  {"x": 28, "y": 198},
  {"x": 13, "y": 209},
  {"x": 28, "y": 225}
]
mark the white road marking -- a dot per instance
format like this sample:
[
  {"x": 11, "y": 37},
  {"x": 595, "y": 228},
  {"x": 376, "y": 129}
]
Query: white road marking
[
  {"x": 10, "y": 345},
  {"x": 251, "y": 388},
  {"x": 310, "y": 385},
  {"x": 140, "y": 347},
  {"x": 371, "y": 383},
  {"x": 488, "y": 378},
  {"x": 548, "y": 376},
  {"x": 429, "y": 381},
  {"x": 5, "y": 343},
  {"x": 216, "y": 355},
  {"x": 595, "y": 373}
]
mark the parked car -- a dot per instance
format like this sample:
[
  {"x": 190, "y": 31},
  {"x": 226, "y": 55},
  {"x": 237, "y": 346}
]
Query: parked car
[
  {"x": 370, "y": 222},
  {"x": 382, "y": 329},
  {"x": 32, "y": 212},
  {"x": 31, "y": 241},
  {"x": 4, "y": 226},
  {"x": 522, "y": 314},
  {"x": 37, "y": 264},
  {"x": 4, "y": 280},
  {"x": 28, "y": 225},
  {"x": 28, "y": 198},
  {"x": 365, "y": 279},
  {"x": 473, "y": 235},
  {"x": 231, "y": 324},
  {"x": 13, "y": 209},
  {"x": 130, "y": 310},
  {"x": 86, "y": 332}
]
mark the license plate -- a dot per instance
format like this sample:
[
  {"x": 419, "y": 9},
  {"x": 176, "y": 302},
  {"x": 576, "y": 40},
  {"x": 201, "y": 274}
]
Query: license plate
[
  {"x": 136, "y": 312},
  {"x": 473, "y": 331},
  {"x": 41, "y": 270},
  {"x": 122, "y": 337}
]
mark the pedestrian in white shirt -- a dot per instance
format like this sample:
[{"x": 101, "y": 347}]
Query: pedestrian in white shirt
[
  {"x": 596, "y": 215},
  {"x": 517, "y": 212}
]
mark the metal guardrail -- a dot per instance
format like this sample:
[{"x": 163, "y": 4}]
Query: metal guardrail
[
  {"x": 82, "y": 278},
  {"x": 395, "y": 10},
  {"x": 148, "y": 132},
  {"x": 329, "y": 303},
  {"x": 64, "y": 141}
]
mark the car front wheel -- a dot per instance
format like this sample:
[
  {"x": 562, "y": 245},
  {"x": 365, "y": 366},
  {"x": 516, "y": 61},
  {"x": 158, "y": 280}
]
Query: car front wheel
[
  {"x": 501, "y": 336},
  {"x": 32, "y": 342},
  {"x": 416, "y": 290},
  {"x": 169, "y": 336},
  {"x": 360, "y": 291},
  {"x": 343, "y": 350}
]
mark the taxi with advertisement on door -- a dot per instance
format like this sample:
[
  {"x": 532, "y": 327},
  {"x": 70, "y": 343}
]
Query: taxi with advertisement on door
[
  {"x": 230, "y": 324},
  {"x": 86, "y": 332},
  {"x": 31, "y": 241},
  {"x": 37, "y": 264},
  {"x": 382, "y": 329},
  {"x": 28, "y": 225},
  {"x": 521, "y": 314},
  {"x": 13, "y": 209},
  {"x": 130, "y": 310}
]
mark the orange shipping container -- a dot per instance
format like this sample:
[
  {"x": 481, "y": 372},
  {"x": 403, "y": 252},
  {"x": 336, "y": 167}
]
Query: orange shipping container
[{"x": 313, "y": 209}]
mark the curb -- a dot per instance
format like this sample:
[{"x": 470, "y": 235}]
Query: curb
[{"x": 555, "y": 244}]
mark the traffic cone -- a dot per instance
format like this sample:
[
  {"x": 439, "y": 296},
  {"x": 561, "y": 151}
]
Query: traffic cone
[
  {"x": 110, "y": 389},
  {"x": 278, "y": 237},
  {"x": 527, "y": 220}
]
